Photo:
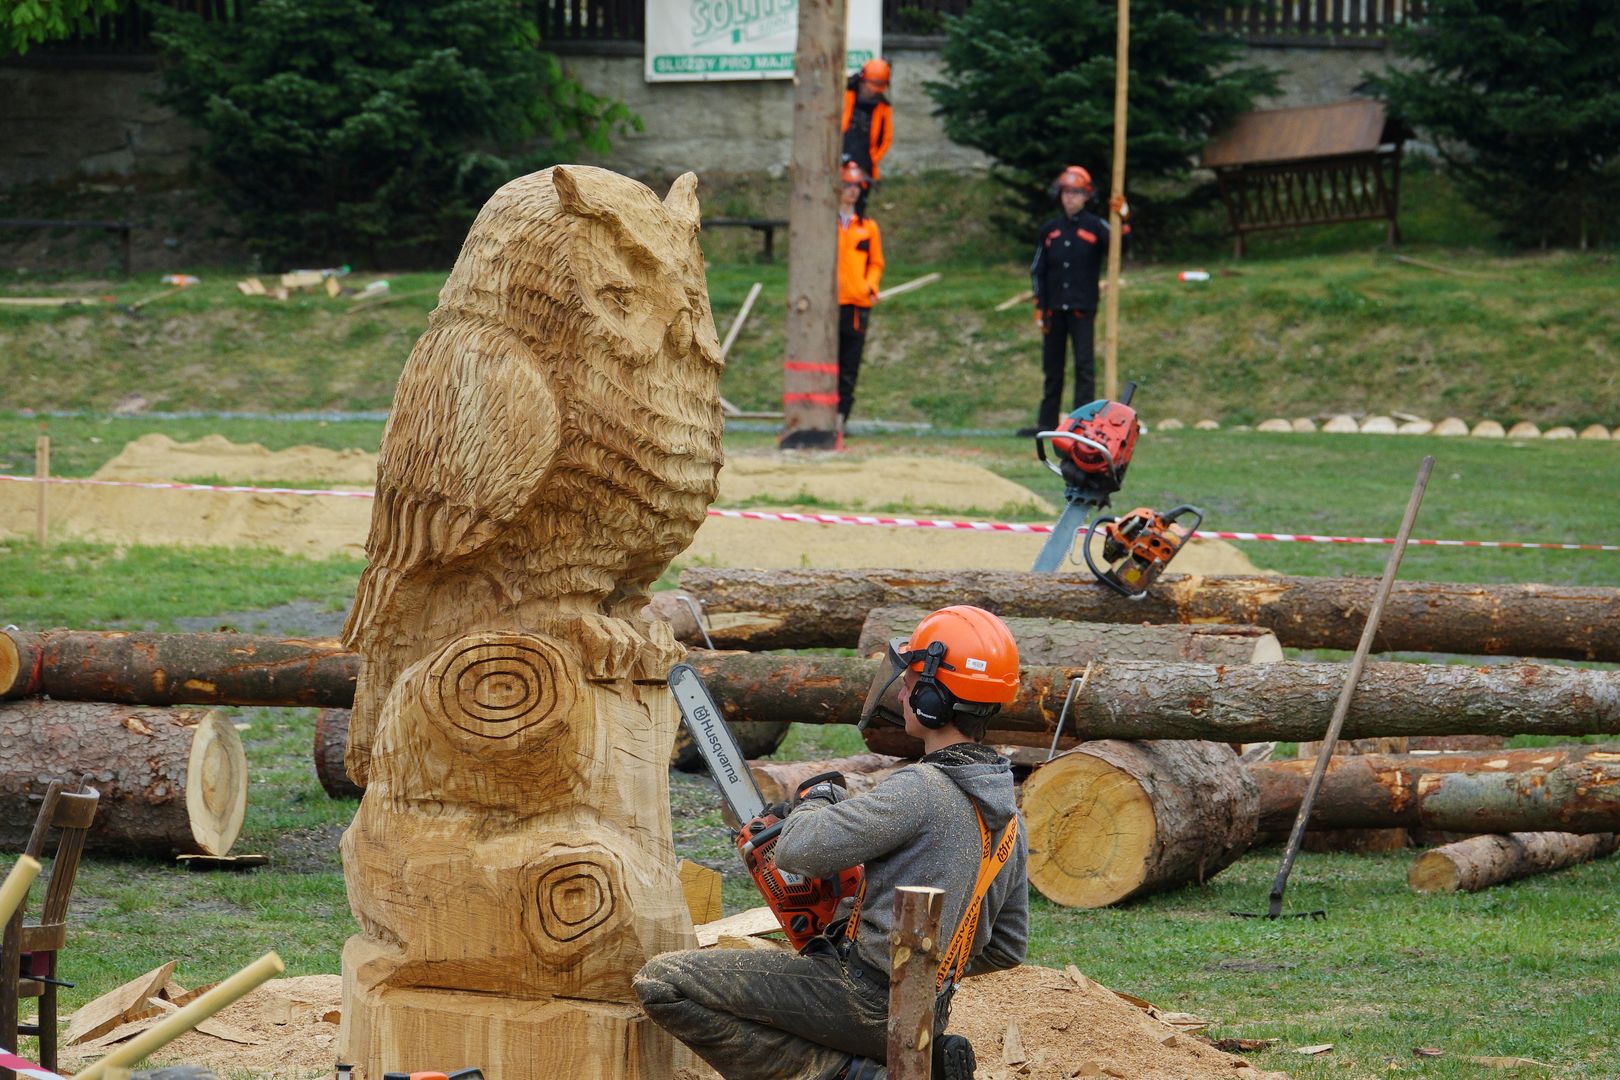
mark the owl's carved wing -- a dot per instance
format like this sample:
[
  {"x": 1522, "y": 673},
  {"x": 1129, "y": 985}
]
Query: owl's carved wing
[{"x": 473, "y": 430}]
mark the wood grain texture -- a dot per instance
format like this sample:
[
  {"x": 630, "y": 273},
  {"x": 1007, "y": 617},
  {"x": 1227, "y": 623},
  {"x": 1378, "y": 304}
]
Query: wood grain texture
[
  {"x": 554, "y": 442},
  {"x": 914, "y": 958},
  {"x": 823, "y": 608}
]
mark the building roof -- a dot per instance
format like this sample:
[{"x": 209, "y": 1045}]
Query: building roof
[{"x": 1312, "y": 131}]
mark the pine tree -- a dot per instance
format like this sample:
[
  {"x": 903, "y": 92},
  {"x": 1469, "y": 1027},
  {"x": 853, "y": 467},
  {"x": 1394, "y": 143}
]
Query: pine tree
[
  {"x": 1522, "y": 99},
  {"x": 1031, "y": 84}
]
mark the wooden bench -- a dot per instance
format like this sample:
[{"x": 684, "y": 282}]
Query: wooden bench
[
  {"x": 765, "y": 226},
  {"x": 120, "y": 228}
]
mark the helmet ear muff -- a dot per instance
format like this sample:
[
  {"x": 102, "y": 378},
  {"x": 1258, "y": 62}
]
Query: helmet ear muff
[{"x": 932, "y": 703}]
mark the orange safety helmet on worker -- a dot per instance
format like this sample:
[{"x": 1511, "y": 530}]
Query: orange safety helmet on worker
[
  {"x": 868, "y": 121},
  {"x": 1073, "y": 178},
  {"x": 967, "y": 668},
  {"x": 860, "y": 247}
]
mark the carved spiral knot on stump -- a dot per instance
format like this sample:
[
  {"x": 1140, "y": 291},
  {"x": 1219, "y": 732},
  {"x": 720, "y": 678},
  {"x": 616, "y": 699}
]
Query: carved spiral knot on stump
[
  {"x": 497, "y": 685},
  {"x": 577, "y": 902},
  {"x": 575, "y": 899}
]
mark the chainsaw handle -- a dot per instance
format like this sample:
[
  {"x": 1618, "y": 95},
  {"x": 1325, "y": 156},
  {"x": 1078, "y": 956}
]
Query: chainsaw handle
[
  {"x": 1040, "y": 448},
  {"x": 1185, "y": 508},
  {"x": 763, "y": 836},
  {"x": 1085, "y": 550}
]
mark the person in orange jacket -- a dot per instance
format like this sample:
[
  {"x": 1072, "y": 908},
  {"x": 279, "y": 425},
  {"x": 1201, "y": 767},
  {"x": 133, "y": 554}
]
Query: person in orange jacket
[
  {"x": 860, "y": 272},
  {"x": 868, "y": 123}
]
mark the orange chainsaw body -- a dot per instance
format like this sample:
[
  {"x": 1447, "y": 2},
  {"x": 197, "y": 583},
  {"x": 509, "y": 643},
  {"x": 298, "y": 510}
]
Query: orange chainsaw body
[{"x": 804, "y": 906}]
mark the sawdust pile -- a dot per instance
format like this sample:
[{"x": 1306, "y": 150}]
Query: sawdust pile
[
  {"x": 1067, "y": 1030},
  {"x": 291, "y": 1024},
  {"x": 318, "y": 526}
]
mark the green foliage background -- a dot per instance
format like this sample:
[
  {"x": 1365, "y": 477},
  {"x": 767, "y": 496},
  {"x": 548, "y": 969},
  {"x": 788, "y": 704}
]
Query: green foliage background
[
  {"x": 1522, "y": 97},
  {"x": 30, "y": 22},
  {"x": 372, "y": 130},
  {"x": 1031, "y": 84}
]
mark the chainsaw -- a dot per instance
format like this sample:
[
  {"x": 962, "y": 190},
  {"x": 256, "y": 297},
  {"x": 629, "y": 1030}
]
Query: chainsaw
[
  {"x": 1092, "y": 448},
  {"x": 804, "y": 906},
  {"x": 1138, "y": 546}
]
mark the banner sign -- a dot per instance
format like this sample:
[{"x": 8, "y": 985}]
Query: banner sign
[{"x": 704, "y": 40}]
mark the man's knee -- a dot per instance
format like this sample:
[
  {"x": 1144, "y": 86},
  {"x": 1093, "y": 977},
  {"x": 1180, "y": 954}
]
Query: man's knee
[{"x": 658, "y": 983}]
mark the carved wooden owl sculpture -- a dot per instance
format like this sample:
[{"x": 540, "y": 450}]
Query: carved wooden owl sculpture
[
  {"x": 554, "y": 443},
  {"x": 555, "y": 435}
]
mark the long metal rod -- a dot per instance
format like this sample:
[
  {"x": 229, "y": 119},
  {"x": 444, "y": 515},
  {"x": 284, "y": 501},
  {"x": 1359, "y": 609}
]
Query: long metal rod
[{"x": 1342, "y": 708}]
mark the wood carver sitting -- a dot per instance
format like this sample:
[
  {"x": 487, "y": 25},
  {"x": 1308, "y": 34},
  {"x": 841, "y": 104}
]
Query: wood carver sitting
[{"x": 554, "y": 442}]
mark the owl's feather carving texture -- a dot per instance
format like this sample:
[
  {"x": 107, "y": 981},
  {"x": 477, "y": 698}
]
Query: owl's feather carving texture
[{"x": 555, "y": 435}]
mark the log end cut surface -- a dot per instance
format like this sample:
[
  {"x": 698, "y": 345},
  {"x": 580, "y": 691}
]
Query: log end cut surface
[
  {"x": 216, "y": 785},
  {"x": 1091, "y": 831},
  {"x": 1433, "y": 872}
]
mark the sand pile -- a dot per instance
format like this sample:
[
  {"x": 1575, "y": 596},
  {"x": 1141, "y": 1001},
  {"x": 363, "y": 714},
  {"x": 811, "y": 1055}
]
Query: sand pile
[
  {"x": 158, "y": 457},
  {"x": 318, "y": 526}
]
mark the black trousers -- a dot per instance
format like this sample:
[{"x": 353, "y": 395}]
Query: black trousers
[
  {"x": 852, "y": 323},
  {"x": 1061, "y": 327},
  {"x": 768, "y": 1014}
]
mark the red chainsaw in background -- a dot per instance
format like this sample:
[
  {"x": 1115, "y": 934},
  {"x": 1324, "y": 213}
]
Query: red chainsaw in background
[
  {"x": 1093, "y": 446},
  {"x": 804, "y": 906}
]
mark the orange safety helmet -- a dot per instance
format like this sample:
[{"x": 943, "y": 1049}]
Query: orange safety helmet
[
  {"x": 876, "y": 72},
  {"x": 852, "y": 173},
  {"x": 1073, "y": 178},
  {"x": 966, "y": 661}
]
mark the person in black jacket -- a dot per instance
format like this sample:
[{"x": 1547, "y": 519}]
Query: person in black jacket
[{"x": 1069, "y": 257}]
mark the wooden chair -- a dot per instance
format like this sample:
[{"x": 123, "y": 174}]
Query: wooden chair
[{"x": 28, "y": 957}]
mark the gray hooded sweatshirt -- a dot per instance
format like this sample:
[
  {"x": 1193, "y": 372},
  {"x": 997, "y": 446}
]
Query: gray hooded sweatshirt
[{"x": 918, "y": 828}]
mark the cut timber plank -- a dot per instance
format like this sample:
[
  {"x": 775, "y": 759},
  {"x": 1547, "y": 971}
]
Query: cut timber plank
[
  {"x": 126, "y": 1003},
  {"x": 702, "y": 888},
  {"x": 748, "y": 923}
]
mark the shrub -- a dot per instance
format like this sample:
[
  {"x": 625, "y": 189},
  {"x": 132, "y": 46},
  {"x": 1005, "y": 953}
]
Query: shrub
[
  {"x": 372, "y": 130},
  {"x": 30, "y": 22},
  {"x": 1031, "y": 84},
  {"x": 1522, "y": 99}
]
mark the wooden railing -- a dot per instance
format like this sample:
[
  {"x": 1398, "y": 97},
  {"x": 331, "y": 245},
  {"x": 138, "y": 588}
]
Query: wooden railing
[
  {"x": 1315, "y": 22},
  {"x": 128, "y": 31}
]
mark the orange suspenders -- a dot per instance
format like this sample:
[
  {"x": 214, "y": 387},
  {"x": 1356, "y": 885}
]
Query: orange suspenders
[{"x": 993, "y": 855}]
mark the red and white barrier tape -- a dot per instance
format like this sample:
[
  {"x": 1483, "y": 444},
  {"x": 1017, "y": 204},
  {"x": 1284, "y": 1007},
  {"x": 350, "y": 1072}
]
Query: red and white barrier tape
[
  {"x": 23, "y": 1067},
  {"x": 866, "y": 519}
]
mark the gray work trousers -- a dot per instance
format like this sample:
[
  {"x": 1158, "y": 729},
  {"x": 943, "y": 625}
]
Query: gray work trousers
[{"x": 757, "y": 1014}]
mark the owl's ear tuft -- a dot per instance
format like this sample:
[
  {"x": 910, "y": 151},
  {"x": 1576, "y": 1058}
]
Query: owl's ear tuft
[
  {"x": 681, "y": 202},
  {"x": 567, "y": 190}
]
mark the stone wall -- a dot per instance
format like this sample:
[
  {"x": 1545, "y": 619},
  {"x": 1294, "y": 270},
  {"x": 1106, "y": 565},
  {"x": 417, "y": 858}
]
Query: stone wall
[{"x": 82, "y": 122}]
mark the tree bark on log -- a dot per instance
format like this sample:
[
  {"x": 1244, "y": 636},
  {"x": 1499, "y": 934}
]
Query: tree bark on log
[
  {"x": 175, "y": 669},
  {"x": 1111, "y": 820},
  {"x": 1482, "y": 861},
  {"x": 1063, "y": 641},
  {"x": 779, "y": 780},
  {"x": 172, "y": 781},
  {"x": 1557, "y": 789},
  {"x": 825, "y": 608},
  {"x": 1284, "y": 701},
  {"x": 331, "y": 741}
]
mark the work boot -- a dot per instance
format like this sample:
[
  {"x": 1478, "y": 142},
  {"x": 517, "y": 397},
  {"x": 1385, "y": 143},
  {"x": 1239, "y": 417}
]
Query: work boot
[
  {"x": 862, "y": 1068},
  {"x": 953, "y": 1058}
]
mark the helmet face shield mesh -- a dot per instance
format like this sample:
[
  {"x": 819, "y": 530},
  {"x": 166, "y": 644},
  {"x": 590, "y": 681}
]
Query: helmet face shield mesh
[{"x": 883, "y": 680}]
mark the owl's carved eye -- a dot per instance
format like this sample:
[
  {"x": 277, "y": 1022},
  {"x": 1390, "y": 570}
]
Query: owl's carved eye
[{"x": 615, "y": 296}]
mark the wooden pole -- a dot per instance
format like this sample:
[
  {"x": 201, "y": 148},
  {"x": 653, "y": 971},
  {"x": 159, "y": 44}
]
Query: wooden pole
[
  {"x": 1342, "y": 708},
  {"x": 914, "y": 957},
  {"x": 731, "y": 337},
  {"x": 15, "y": 888},
  {"x": 42, "y": 474},
  {"x": 178, "y": 1023},
  {"x": 810, "y": 369},
  {"x": 1122, "y": 77}
]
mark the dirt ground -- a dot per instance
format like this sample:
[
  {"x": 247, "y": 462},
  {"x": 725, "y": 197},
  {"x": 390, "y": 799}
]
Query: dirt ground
[
  {"x": 1065, "y": 1028},
  {"x": 319, "y": 526}
]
